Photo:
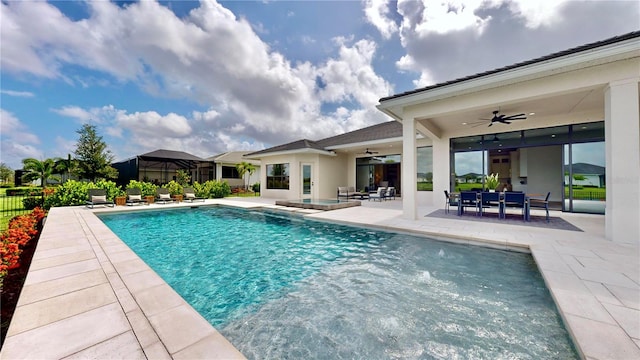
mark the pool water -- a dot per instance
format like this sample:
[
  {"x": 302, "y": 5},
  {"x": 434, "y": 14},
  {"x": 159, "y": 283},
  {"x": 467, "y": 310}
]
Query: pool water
[{"x": 279, "y": 286}]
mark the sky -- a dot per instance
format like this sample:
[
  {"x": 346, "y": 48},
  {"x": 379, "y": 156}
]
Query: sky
[{"x": 208, "y": 77}]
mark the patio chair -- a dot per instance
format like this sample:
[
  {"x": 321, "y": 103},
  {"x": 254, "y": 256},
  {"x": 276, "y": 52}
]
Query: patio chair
[
  {"x": 449, "y": 200},
  {"x": 98, "y": 197},
  {"x": 515, "y": 200},
  {"x": 541, "y": 204},
  {"x": 134, "y": 197},
  {"x": 488, "y": 200},
  {"x": 379, "y": 194},
  {"x": 190, "y": 195},
  {"x": 468, "y": 199},
  {"x": 391, "y": 193},
  {"x": 163, "y": 196}
]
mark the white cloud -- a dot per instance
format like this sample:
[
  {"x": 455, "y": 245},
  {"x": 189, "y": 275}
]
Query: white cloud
[
  {"x": 16, "y": 142},
  {"x": 450, "y": 39},
  {"x": 209, "y": 56},
  {"x": 18, "y": 93},
  {"x": 377, "y": 13},
  {"x": 150, "y": 124}
]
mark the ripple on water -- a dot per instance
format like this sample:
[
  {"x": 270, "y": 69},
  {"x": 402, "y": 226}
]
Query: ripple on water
[{"x": 283, "y": 287}]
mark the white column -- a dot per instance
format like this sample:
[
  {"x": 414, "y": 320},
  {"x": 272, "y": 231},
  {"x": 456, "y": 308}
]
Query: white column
[
  {"x": 409, "y": 170},
  {"x": 441, "y": 170},
  {"x": 622, "y": 143}
]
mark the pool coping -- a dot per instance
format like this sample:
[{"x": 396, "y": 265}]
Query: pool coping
[{"x": 82, "y": 274}]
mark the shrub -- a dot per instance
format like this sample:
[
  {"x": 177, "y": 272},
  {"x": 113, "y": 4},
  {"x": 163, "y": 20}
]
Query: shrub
[
  {"x": 111, "y": 187},
  {"x": 215, "y": 189},
  {"x": 256, "y": 187},
  {"x": 22, "y": 229},
  {"x": 72, "y": 192},
  {"x": 146, "y": 188},
  {"x": 32, "y": 202},
  {"x": 174, "y": 188},
  {"x": 200, "y": 190}
]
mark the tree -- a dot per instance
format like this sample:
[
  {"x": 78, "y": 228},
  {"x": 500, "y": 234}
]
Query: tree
[
  {"x": 94, "y": 158},
  {"x": 35, "y": 169},
  {"x": 243, "y": 168},
  {"x": 67, "y": 167},
  {"x": 6, "y": 174}
]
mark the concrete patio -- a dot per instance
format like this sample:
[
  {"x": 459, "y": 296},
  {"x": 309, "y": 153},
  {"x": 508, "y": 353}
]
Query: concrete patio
[{"x": 88, "y": 295}]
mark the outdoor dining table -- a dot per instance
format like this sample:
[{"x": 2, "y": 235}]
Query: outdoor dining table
[{"x": 501, "y": 204}]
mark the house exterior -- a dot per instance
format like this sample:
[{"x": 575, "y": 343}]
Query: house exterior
[
  {"x": 576, "y": 106},
  {"x": 225, "y": 168},
  {"x": 580, "y": 101},
  {"x": 364, "y": 158}
]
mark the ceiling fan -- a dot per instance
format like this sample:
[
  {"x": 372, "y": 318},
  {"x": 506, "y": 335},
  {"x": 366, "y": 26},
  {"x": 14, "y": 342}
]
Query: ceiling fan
[
  {"x": 369, "y": 152},
  {"x": 504, "y": 118}
]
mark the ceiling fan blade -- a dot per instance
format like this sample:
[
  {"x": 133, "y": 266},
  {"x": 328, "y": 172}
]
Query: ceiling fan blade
[
  {"x": 515, "y": 117},
  {"x": 505, "y": 122},
  {"x": 490, "y": 124}
]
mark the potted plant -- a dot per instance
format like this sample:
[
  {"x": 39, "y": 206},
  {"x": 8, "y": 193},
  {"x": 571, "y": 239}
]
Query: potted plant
[
  {"x": 492, "y": 181},
  {"x": 121, "y": 198}
]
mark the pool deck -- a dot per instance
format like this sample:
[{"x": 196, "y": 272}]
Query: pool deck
[{"x": 87, "y": 295}]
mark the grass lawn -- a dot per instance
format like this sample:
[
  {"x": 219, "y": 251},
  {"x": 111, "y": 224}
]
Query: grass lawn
[{"x": 10, "y": 206}]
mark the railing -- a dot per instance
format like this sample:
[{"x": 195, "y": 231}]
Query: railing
[{"x": 13, "y": 205}]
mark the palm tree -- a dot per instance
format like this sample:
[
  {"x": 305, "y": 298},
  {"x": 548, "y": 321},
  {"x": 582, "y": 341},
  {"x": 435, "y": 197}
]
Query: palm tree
[
  {"x": 36, "y": 169},
  {"x": 243, "y": 168},
  {"x": 66, "y": 168}
]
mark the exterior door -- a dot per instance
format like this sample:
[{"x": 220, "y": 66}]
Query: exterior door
[{"x": 307, "y": 181}]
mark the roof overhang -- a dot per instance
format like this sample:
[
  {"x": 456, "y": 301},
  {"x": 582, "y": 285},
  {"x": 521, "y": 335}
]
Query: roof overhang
[
  {"x": 365, "y": 143},
  {"x": 305, "y": 151}
]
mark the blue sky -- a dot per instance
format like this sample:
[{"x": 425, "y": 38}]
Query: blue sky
[{"x": 207, "y": 77}]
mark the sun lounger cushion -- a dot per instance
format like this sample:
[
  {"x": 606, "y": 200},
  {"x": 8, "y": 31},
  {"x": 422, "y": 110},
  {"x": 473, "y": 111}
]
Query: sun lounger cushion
[
  {"x": 135, "y": 197},
  {"x": 189, "y": 195},
  {"x": 165, "y": 196},
  {"x": 97, "y": 199}
]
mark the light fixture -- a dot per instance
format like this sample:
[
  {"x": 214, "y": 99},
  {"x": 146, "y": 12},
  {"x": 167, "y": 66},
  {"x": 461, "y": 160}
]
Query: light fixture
[
  {"x": 531, "y": 113},
  {"x": 553, "y": 135},
  {"x": 464, "y": 123},
  {"x": 495, "y": 139}
]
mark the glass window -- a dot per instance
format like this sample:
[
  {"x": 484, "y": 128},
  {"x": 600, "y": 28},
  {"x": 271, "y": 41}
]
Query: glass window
[
  {"x": 278, "y": 176},
  {"x": 425, "y": 168},
  {"x": 230, "y": 172}
]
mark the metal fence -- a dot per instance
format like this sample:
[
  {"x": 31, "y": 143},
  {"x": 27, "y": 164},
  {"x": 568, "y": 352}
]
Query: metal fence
[{"x": 13, "y": 205}]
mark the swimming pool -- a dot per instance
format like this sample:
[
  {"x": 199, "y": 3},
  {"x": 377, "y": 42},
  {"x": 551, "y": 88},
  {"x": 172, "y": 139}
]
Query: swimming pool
[{"x": 284, "y": 287}]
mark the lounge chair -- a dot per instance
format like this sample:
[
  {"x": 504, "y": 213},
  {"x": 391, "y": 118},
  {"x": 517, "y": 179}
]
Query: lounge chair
[
  {"x": 163, "y": 196},
  {"x": 541, "y": 204},
  {"x": 391, "y": 193},
  {"x": 379, "y": 194},
  {"x": 134, "y": 197},
  {"x": 347, "y": 192},
  {"x": 98, "y": 197},
  {"x": 189, "y": 195}
]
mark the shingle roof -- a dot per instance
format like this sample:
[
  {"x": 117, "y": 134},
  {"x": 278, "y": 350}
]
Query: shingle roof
[
  {"x": 386, "y": 130},
  {"x": 296, "y": 145},
  {"x": 231, "y": 157},
  {"x": 171, "y": 154},
  {"x": 574, "y": 50}
]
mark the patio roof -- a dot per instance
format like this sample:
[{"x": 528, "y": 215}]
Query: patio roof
[{"x": 384, "y": 131}]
